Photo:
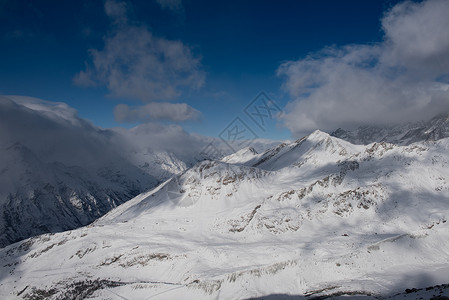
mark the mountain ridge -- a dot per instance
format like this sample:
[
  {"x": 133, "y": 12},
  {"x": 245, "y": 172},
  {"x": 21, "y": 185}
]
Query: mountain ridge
[
  {"x": 431, "y": 130},
  {"x": 370, "y": 219}
]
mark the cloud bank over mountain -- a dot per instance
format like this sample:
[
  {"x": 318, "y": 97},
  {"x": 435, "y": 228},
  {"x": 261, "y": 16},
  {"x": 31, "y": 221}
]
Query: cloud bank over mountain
[
  {"x": 404, "y": 78},
  {"x": 56, "y": 133}
]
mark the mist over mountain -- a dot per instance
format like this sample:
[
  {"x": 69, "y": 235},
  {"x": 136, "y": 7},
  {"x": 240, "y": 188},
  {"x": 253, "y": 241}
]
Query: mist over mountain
[{"x": 58, "y": 172}]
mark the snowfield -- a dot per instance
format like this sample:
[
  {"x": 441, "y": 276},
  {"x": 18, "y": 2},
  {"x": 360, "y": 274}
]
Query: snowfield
[{"x": 316, "y": 218}]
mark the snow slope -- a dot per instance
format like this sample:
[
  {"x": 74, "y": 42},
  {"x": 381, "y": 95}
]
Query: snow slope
[{"x": 314, "y": 218}]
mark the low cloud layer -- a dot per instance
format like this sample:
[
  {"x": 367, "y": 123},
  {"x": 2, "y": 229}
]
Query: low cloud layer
[
  {"x": 404, "y": 78},
  {"x": 176, "y": 112}
]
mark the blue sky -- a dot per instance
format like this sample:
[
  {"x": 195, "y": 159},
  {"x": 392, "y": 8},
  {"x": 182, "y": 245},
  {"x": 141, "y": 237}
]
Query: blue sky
[{"x": 229, "y": 51}]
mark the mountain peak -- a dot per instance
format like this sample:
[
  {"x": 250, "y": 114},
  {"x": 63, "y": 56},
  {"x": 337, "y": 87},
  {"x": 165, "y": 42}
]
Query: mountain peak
[
  {"x": 240, "y": 157},
  {"x": 318, "y": 135}
]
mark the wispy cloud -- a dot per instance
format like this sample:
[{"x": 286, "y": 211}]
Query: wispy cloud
[
  {"x": 117, "y": 11},
  {"x": 173, "y": 5},
  {"x": 135, "y": 64},
  {"x": 404, "y": 78},
  {"x": 176, "y": 112}
]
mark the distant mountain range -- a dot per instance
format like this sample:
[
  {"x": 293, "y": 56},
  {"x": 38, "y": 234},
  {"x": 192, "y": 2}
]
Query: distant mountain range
[{"x": 432, "y": 130}]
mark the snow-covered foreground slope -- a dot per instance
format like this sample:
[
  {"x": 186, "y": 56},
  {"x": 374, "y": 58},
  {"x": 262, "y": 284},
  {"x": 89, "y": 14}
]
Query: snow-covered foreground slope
[{"x": 316, "y": 217}]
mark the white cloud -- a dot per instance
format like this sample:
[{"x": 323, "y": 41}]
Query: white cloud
[
  {"x": 402, "y": 79},
  {"x": 174, "y": 5},
  {"x": 418, "y": 37},
  {"x": 117, "y": 11},
  {"x": 176, "y": 112},
  {"x": 136, "y": 64},
  {"x": 154, "y": 137}
]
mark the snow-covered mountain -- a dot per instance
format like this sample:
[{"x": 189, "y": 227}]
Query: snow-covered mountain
[
  {"x": 316, "y": 217},
  {"x": 432, "y": 130},
  {"x": 57, "y": 172},
  {"x": 60, "y": 172},
  {"x": 38, "y": 197}
]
